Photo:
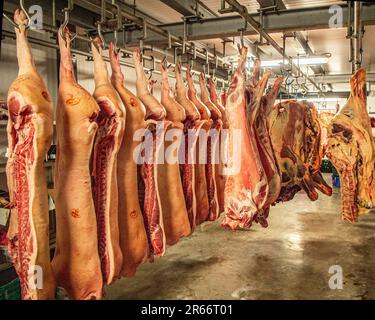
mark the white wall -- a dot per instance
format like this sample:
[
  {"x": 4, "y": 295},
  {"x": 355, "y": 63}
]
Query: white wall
[{"x": 45, "y": 60}]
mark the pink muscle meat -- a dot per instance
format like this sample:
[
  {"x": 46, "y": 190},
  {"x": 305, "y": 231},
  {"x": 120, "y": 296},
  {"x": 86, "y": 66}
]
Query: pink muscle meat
[{"x": 152, "y": 211}]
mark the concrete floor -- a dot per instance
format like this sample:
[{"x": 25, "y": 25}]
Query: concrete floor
[{"x": 289, "y": 260}]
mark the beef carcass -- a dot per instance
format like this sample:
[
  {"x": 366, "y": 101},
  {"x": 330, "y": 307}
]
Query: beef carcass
[
  {"x": 111, "y": 126},
  {"x": 246, "y": 188},
  {"x": 351, "y": 150},
  {"x": 152, "y": 210},
  {"x": 76, "y": 262},
  {"x": 133, "y": 238},
  {"x": 175, "y": 216},
  {"x": 188, "y": 169},
  {"x": 29, "y": 137},
  {"x": 295, "y": 135}
]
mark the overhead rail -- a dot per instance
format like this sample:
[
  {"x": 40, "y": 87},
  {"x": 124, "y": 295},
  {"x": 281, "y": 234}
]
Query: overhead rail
[
  {"x": 171, "y": 39},
  {"x": 287, "y": 20},
  {"x": 242, "y": 11},
  {"x": 126, "y": 53}
]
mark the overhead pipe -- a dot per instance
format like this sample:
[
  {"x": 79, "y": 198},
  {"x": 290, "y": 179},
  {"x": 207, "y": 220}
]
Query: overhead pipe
[
  {"x": 357, "y": 35},
  {"x": 241, "y": 10}
]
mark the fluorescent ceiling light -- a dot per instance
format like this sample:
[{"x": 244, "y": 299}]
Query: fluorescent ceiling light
[
  {"x": 317, "y": 100},
  {"x": 331, "y": 99},
  {"x": 311, "y": 60},
  {"x": 302, "y": 62}
]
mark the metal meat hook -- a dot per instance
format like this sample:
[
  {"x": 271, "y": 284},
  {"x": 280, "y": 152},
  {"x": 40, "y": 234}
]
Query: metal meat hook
[
  {"x": 66, "y": 20},
  {"x": 102, "y": 40},
  {"x": 22, "y": 5},
  {"x": 119, "y": 24},
  {"x": 164, "y": 62},
  {"x": 241, "y": 41}
]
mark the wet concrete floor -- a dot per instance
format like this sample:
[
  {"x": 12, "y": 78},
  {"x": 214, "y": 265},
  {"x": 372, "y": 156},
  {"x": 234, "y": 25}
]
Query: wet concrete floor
[{"x": 288, "y": 260}]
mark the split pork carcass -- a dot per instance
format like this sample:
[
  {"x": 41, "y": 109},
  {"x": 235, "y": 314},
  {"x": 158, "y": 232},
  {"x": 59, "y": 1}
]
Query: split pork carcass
[
  {"x": 175, "y": 216},
  {"x": 219, "y": 177},
  {"x": 133, "y": 237},
  {"x": 212, "y": 150},
  {"x": 76, "y": 263},
  {"x": 111, "y": 125},
  {"x": 201, "y": 128},
  {"x": 295, "y": 135},
  {"x": 188, "y": 169},
  {"x": 29, "y": 137},
  {"x": 155, "y": 114},
  {"x": 352, "y": 151},
  {"x": 246, "y": 189}
]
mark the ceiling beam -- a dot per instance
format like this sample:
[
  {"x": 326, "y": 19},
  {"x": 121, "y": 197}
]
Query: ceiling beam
[
  {"x": 308, "y": 51},
  {"x": 264, "y": 4},
  {"x": 188, "y": 8},
  {"x": 242, "y": 11},
  {"x": 338, "y": 94},
  {"x": 283, "y": 21},
  {"x": 341, "y": 78}
]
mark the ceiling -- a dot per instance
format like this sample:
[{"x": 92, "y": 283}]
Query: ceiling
[{"x": 331, "y": 41}]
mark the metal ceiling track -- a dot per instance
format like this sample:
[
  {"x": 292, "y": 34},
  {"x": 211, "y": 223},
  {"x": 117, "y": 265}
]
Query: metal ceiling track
[
  {"x": 273, "y": 22},
  {"x": 127, "y": 53},
  {"x": 206, "y": 56},
  {"x": 168, "y": 36},
  {"x": 242, "y": 11}
]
